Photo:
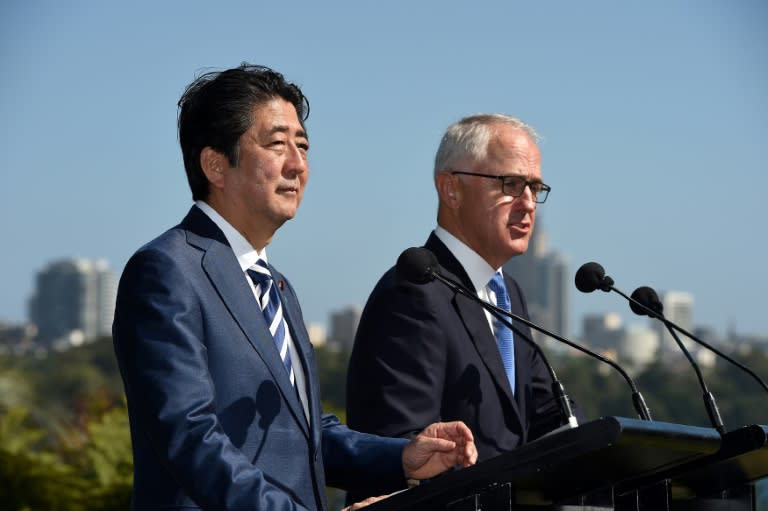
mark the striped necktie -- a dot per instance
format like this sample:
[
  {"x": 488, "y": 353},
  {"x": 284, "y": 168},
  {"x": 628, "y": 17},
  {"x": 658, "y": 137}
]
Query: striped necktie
[
  {"x": 504, "y": 336},
  {"x": 272, "y": 308}
]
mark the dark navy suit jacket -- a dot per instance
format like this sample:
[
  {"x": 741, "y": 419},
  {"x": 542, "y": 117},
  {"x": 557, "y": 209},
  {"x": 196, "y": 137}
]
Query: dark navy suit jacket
[
  {"x": 215, "y": 421},
  {"x": 424, "y": 353}
]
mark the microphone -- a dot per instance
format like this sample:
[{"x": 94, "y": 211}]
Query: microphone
[
  {"x": 644, "y": 298},
  {"x": 591, "y": 276},
  {"x": 419, "y": 266},
  {"x": 645, "y": 302}
]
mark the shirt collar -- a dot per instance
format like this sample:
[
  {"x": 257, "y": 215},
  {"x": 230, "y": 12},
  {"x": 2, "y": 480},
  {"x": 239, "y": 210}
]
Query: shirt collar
[
  {"x": 478, "y": 270},
  {"x": 244, "y": 251}
]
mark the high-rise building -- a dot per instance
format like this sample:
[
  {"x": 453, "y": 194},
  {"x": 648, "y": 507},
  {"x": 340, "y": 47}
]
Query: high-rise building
[
  {"x": 344, "y": 326},
  {"x": 73, "y": 302},
  {"x": 317, "y": 334},
  {"x": 639, "y": 347},
  {"x": 678, "y": 308},
  {"x": 553, "y": 272},
  {"x": 543, "y": 275},
  {"x": 633, "y": 346},
  {"x": 603, "y": 332}
]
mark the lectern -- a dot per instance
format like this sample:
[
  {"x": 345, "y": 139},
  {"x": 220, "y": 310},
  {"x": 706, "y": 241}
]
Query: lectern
[{"x": 639, "y": 465}]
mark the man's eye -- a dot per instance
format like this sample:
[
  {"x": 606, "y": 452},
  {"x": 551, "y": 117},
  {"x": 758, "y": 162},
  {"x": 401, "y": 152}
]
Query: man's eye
[{"x": 514, "y": 182}]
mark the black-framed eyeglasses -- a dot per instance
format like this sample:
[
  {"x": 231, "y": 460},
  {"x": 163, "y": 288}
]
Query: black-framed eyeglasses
[{"x": 514, "y": 186}]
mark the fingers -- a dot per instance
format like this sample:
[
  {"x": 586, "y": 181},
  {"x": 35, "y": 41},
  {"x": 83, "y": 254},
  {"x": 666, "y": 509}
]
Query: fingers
[
  {"x": 454, "y": 430},
  {"x": 364, "y": 503},
  {"x": 438, "y": 447},
  {"x": 436, "y": 444},
  {"x": 461, "y": 438},
  {"x": 459, "y": 429},
  {"x": 470, "y": 454}
]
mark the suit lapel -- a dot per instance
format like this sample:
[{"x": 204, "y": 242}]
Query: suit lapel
[
  {"x": 295, "y": 322},
  {"x": 223, "y": 270},
  {"x": 475, "y": 320}
]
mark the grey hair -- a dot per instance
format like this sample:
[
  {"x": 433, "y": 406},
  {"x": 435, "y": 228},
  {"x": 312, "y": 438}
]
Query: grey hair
[{"x": 469, "y": 138}]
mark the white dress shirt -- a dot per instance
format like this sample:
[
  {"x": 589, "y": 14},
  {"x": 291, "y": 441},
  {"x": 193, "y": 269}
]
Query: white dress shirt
[{"x": 479, "y": 271}]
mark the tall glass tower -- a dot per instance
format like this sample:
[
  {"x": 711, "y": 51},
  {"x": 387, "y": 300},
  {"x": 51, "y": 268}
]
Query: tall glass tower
[{"x": 73, "y": 302}]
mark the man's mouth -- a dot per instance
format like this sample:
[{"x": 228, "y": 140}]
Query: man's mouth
[
  {"x": 521, "y": 226},
  {"x": 288, "y": 189}
]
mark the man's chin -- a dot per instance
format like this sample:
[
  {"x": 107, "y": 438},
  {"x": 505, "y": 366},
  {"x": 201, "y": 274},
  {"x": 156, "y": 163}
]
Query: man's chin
[
  {"x": 289, "y": 211},
  {"x": 518, "y": 248}
]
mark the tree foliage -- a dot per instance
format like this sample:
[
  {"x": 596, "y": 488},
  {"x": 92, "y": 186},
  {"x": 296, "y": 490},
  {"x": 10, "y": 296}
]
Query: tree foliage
[
  {"x": 671, "y": 390},
  {"x": 332, "y": 365},
  {"x": 64, "y": 436},
  {"x": 67, "y": 448}
]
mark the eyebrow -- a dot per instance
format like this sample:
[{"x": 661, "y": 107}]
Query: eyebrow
[
  {"x": 522, "y": 176},
  {"x": 286, "y": 129}
]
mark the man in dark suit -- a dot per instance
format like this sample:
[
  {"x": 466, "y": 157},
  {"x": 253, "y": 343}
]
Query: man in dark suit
[
  {"x": 424, "y": 353},
  {"x": 220, "y": 377}
]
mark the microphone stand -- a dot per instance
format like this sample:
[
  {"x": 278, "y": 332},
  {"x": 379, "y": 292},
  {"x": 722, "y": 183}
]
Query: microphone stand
[
  {"x": 670, "y": 325},
  {"x": 709, "y": 399},
  {"x": 637, "y": 397}
]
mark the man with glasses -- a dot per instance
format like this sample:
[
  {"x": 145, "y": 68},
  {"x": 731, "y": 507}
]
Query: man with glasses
[{"x": 424, "y": 353}]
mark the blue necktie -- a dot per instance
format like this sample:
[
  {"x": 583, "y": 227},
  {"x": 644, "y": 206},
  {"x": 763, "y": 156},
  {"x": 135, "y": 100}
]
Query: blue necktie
[
  {"x": 272, "y": 308},
  {"x": 504, "y": 336}
]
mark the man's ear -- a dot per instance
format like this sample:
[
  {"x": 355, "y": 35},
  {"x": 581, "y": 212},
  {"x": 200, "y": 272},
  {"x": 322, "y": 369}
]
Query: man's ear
[
  {"x": 448, "y": 189},
  {"x": 214, "y": 165}
]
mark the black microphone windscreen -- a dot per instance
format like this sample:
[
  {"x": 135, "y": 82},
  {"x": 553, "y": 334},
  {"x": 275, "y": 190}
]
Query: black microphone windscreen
[
  {"x": 589, "y": 277},
  {"x": 648, "y": 297},
  {"x": 416, "y": 265}
]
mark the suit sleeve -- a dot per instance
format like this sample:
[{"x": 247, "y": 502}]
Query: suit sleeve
[
  {"x": 397, "y": 367},
  {"x": 360, "y": 462},
  {"x": 160, "y": 346}
]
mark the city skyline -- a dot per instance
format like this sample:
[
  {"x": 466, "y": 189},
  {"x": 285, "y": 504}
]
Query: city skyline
[
  {"x": 341, "y": 322},
  {"x": 650, "y": 113}
]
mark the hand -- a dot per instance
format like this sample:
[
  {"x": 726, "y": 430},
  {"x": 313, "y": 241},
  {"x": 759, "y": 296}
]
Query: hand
[
  {"x": 363, "y": 503},
  {"x": 439, "y": 447}
]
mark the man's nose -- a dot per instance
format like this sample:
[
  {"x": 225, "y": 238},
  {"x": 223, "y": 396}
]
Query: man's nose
[
  {"x": 526, "y": 198},
  {"x": 297, "y": 162}
]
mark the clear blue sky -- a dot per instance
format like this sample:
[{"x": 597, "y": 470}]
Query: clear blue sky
[{"x": 654, "y": 116}]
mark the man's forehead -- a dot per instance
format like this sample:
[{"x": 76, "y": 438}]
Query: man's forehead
[
  {"x": 512, "y": 144},
  {"x": 277, "y": 115},
  {"x": 506, "y": 136}
]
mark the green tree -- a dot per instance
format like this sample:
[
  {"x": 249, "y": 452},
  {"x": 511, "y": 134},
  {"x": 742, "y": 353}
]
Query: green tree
[
  {"x": 332, "y": 366},
  {"x": 30, "y": 478}
]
